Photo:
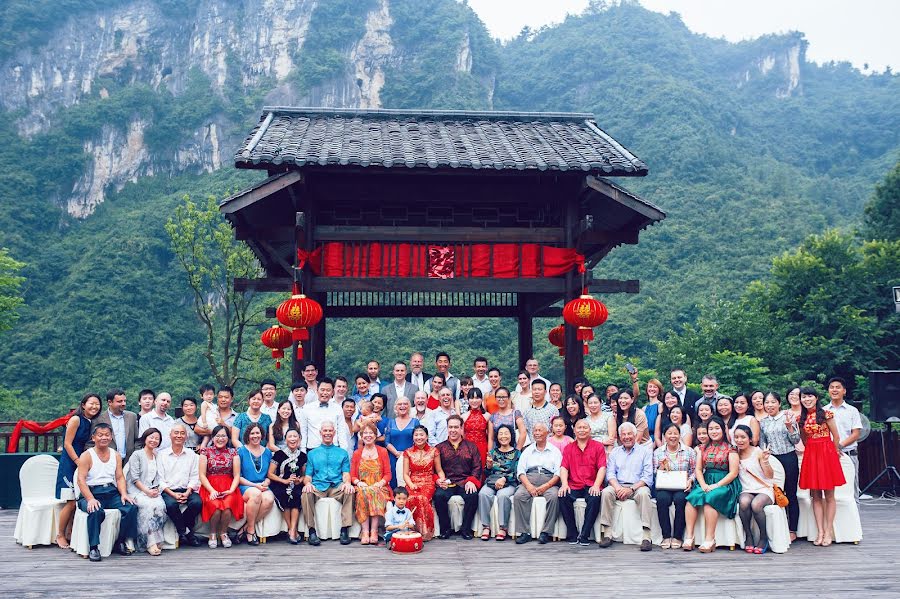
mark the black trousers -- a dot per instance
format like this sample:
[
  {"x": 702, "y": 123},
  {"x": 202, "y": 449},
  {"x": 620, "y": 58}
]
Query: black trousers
[
  {"x": 664, "y": 499},
  {"x": 185, "y": 520},
  {"x": 441, "y": 500},
  {"x": 791, "y": 477},
  {"x": 591, "y": 511}
]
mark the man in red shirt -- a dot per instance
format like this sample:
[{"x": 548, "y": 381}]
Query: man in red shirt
[{"x": 582, "y": 474}]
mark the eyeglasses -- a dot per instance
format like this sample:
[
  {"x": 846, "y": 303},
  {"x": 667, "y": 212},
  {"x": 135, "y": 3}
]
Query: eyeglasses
[{"x": 501, "y": 397}]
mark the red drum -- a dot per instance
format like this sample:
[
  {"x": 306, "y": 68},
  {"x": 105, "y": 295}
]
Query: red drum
[{"x": 406, "y": 542}]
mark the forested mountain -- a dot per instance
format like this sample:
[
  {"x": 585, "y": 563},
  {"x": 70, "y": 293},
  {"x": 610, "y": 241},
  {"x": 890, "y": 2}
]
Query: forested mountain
[{"x": 112, "y": 110}]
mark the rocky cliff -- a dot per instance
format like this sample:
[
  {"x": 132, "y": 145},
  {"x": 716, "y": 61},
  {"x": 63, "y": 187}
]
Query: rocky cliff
[{"x": 252, "y": 46}]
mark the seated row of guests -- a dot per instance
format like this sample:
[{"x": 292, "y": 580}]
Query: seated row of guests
[{"x": 267, "y": 477}]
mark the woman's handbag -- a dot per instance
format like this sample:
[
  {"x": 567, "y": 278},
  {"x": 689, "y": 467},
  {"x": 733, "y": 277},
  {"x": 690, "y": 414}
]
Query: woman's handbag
[
  {"x": 671, "y": 480},
  {"x": 781, "y": 499}
]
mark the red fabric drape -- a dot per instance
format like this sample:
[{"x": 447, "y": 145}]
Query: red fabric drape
[
  {"x": 13, "y": 445},
  {"x": 314, "y": 258},
  {"x": 499, "y": 260}
]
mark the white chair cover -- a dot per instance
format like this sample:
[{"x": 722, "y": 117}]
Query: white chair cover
[
  {"x": 38, "y": 518},
  {"x": 847, "y": 525},
  {"x": 109, "y": 530},
  {"x": 626, "y": 524}
]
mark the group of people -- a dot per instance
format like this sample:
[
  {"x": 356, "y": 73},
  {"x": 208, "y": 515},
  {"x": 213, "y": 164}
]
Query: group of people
[{"x": 394, "y": 453}]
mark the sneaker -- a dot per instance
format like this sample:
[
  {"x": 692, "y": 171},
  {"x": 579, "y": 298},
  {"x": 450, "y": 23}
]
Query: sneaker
[
  {"x": 582, "y": 542},
  {"x": 213, "y": 543},
  {"x": 865, "y": 496},
  {"x": 572, "y": 540}
]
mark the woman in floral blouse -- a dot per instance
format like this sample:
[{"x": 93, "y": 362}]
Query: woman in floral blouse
[{"x": 500, "y": 481}]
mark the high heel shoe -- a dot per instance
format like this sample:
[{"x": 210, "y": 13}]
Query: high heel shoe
[
  {"x": 827, "y": 540},
  {"x": 688, "y": 544},
  {"x": 708, "y": 547},
  {"x": 750, "y": 549},
  {"x": 818, "y": 540},
  {"x": 761, "y": 550}
]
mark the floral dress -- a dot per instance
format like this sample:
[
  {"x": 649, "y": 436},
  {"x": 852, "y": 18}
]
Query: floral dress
[
  {"x": 821, "y": 466},
  {"x": 715, "y": 468},
  {"x": 421, "y": 473},
  {"x": 220, "y": 474}
]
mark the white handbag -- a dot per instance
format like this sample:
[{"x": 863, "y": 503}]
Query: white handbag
[{"x": 671, "y": 480}]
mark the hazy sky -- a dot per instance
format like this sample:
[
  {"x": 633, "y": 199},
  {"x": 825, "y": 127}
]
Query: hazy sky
[{"x": 858, "y": 31}]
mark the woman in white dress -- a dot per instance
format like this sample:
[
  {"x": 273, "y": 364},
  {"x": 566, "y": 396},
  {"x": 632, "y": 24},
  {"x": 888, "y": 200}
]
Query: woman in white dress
[{"x": 143, "y": 486}]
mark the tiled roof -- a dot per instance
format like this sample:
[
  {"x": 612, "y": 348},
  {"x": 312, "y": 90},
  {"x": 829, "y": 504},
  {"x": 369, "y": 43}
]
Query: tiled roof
[{"x": 435, "y": 139}]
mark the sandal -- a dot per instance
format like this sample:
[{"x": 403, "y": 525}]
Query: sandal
[
  {"x": 62, "y": 542},
  {"x": 819, "y": 539},
  {"x": 485, "y": 533},
  {"x": 750, "y": 549},
  {"x": 688, "y": 544},
  {"x": 212, "y": 541},
  {"x": 761, "y": 550},
  {"x": 501, "y": 535},
  {"x": 252, "y": 539},
  {"x": 363, "y": 539},
  {"x": 708, "y": 547},
  {"x": 827, "y": 540},
  {"x": 666, "y": 544},
  {"x": 676, "y": 544},
  {"x": 154, "y": 550},
  {"x": 374, "y": 540},
  {"x": 226, "y": 540}
]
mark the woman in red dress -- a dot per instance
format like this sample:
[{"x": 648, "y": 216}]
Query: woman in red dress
[
  {"x": 220, "y": 473},
  {"x": 475, "y": 425},
  {"x": 821, "y": 469},
  {"x": 420, "y": 464}
]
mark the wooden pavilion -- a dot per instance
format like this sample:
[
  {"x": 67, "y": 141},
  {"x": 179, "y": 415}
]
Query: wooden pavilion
[{"x": 396, "y": 213}]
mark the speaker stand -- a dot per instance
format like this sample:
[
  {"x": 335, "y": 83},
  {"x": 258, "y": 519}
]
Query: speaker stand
[{"x": 889, "y": 469}]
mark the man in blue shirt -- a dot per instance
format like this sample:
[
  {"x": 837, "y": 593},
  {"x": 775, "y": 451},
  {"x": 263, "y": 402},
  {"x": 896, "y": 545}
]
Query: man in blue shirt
[
  {"x": 629, "y": 475},
  {"x": 327, "y": 475}
]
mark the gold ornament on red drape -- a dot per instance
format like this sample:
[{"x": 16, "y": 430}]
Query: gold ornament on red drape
[
  {"x": 585, "y": 312},
  {"x": 299, "y": 313},
  {"x": 557, "y": 337},
  {"x": 277, "y": 339}
]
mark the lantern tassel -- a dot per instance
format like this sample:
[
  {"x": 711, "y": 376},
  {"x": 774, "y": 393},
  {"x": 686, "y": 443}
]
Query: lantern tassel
[
  {"x": 299, "y": 351},
  {"x": 586, "y": 349},
  {"x": 277, "y": 365}
]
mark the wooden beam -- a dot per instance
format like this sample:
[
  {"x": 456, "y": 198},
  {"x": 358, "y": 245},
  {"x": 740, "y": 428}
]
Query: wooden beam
[
  {"x": 253, "y": 194},
  {"x": 469, "y": 234},
  {"x": 421, "y": 311},
  {"x": 589, "y": 238},
  {"x": 624, "y": 199},
  {"x": 521, "y": 286}
]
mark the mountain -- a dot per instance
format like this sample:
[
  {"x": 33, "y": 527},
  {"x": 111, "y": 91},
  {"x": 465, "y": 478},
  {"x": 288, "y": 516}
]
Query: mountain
[{"x": 112, "y": 110}]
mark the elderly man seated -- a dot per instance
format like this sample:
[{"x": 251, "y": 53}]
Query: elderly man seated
[
  {"x": 582, "y": 473},
  {"x": 461, "y": 465},
  {"x": 327, "y": 475},
  {"x": 179, "y": 476},
  {"x": 538, "y": 473},
  {"x": 629, "y": 475},
  {"x": 102, "y": 485}
]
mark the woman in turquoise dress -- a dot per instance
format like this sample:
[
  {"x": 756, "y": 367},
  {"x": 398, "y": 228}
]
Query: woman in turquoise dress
[
  {"x": 78, "y": 431},
  {"x": 717, "y": 488},
  {"x": 254, "y": 486}
]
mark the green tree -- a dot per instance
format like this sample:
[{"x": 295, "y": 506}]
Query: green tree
[
  {"x": 204, "y": 245},
  {"x": 882, "y": 214},
  {"x": 10, "y": 289}
]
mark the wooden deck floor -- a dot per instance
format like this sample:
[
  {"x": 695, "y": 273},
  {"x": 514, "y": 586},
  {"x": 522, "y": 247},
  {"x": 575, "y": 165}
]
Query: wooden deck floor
[{"x": 459, "y": 568}]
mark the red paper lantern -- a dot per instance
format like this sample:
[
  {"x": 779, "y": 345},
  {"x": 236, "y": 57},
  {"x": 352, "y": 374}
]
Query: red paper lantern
[
  {"x": 299, "y": 313},
  {"x": 585, "y": 313},
  {"x": 277, "y": 339},
  {"x": 557, "y": 337}
]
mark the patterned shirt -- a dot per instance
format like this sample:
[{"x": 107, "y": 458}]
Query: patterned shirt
[
  {"x": 684, "y": 459},
  {"x": 504, "y": 464},
  {"x": 533, "y": 415},
  {"x": 461, "y": 464},
  {"x": 774, "y": 434}
]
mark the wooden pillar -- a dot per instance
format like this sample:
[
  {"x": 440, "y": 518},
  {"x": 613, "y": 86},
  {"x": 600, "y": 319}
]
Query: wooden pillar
[
  {"x": 526, "y": 334},
  {"x": 317, "y": 336},
  {"x": 574, "y": 351}
]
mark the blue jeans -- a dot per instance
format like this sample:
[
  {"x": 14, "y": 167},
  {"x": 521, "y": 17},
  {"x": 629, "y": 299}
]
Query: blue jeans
[{"x": 109, "y": 498}]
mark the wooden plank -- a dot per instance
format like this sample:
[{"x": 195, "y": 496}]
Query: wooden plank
[
  {"x": 469, "y": 234},
  {"x": 425, "y": 284},
  {"x": 253, "y": 194},
  {"x": 805, "y": 571},
  {"x": 612, "y": 193}
]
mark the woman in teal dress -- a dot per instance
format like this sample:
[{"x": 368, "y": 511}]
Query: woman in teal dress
[{"x": 717, "y": 488}]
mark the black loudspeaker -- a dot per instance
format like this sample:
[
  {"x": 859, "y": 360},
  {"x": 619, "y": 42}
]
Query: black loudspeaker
[{"x": 884, "y": 390}]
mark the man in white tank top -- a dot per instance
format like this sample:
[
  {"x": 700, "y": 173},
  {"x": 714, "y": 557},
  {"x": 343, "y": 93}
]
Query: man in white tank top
[{"x": 102, "y": 485}]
